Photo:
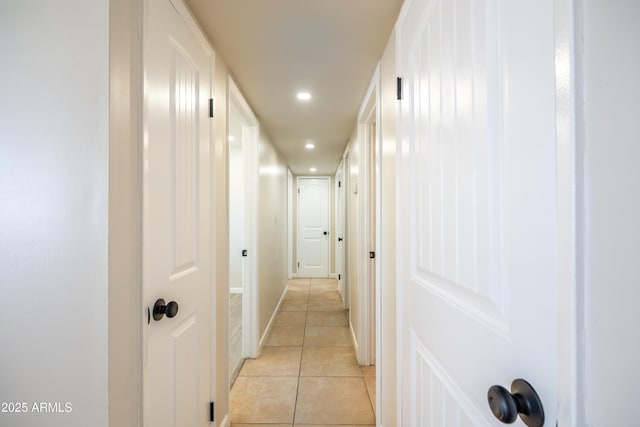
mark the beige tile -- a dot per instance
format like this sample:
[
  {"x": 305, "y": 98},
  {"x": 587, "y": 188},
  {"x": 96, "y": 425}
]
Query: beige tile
[
  {"x": 329, "y": 362},
  {"x": 274, "y": 362},
  {"x": 291, "y": 318},
  {"x": 327, "y": 318},
  {"x": 324, "y": 305},
  {"x": 293, "y": 305},
  {"x": 263, "y": 400},
  {"x": 326, "y": 295},
  {"x": 268, "y": 425},
  {"x": 315, "y": 288},
  {"x": 333, "y": 400},
  {"x": 299, "y": 281},
  {"x": 287, "y": 336},
  {"x": 298, "y": 287},
  {"x": 370, "y": 383},
  {"x": 327, "y": 336},
  {"x": 295, "y": 294},
  {"x": 327, "y": 282},
  {"x": 369, "y": 371}
]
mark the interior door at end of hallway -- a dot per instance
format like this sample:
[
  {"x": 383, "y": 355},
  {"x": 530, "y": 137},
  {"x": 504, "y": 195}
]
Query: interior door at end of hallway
[
  {"x": 477, "y": 214},
  {"x": 313, "y": 227},
  {"x": 177, "y": 242}
]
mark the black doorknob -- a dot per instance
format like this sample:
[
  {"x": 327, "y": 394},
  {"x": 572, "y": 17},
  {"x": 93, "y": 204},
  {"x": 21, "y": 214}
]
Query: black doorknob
[
  {"x": 325, "y": 232},
  {"x": 339, "y": 239},
  {"x": 523, "y": 400},
  {"x": 160, "y": 309}
]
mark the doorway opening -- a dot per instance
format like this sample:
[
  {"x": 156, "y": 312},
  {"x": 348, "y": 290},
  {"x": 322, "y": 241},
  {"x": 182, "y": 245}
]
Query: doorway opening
[
  {"x": 369, "y": 225},
  {"x": 242, "y": 138}
]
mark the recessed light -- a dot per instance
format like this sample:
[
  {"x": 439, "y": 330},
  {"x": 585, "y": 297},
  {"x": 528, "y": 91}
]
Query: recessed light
[
  {"x": 309, "y": 146},
  {"x": 303, "y": 96},
  {"x": 312, "y": 169}
]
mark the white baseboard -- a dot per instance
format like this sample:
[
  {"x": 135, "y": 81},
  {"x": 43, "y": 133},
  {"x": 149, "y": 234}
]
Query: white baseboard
[
  {"x": 294, "y": 275},
  {"x": 235, "y": 290},
  {"x": 354, "y": 340},
  {"x": 225, "y": 421},
  {"x": 333, "y": 276},
  {"x": 267, "y": 331}
]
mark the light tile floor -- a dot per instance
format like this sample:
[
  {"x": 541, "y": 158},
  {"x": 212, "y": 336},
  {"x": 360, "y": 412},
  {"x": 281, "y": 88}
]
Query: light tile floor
[{"x": 307, "y": 374}]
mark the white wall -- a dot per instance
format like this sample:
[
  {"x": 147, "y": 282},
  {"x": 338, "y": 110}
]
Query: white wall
[
  {"x": 353, "y": 218},
  {"x": 272, "y": 230},
  {"x": 611, "y": 206},
  {"x": 54, "y": 123}
]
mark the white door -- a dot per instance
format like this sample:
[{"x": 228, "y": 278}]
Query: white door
[
  {"x": 340, "y": 234},
  {"x": 477, "y": 207},
  {"x": 177, "y": 262},
  {"x": 313, "y": 227}
]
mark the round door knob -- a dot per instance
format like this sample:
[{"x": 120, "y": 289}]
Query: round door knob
[
  {"x": 160, "y": 309},
  {"x": 523, "y": 400}
]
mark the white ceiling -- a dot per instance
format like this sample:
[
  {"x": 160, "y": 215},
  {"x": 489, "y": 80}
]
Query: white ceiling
[{"x": 275, "y": 48}]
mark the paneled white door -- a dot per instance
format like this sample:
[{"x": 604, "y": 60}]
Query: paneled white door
[
  {"x": 340, "y": 229},
  {"x": 313, "y": 227},
  {"x": 177, "y": 262},
  {"x": 477, "y": 214}
]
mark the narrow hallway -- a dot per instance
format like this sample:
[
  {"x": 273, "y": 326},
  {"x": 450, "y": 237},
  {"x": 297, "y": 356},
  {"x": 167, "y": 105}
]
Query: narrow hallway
[{"x": 307, "y": 374}]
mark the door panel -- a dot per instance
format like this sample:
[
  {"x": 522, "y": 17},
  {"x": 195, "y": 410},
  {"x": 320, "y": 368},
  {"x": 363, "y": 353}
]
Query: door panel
[
  {"x": 340, "y": 229},
  {"x": 477, "y": 211},
  {"x": 176, "y": 217},
  {"x": 313, "y": 222}
]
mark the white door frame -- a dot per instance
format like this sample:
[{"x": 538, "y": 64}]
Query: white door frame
[
  {"x": 369, "y": 230},
  {"x": 251, "y": 132},
  {"x": 289, "y": 224},
  {"x": 570, "y": 354},
  {"x": 298, "y": 234}
]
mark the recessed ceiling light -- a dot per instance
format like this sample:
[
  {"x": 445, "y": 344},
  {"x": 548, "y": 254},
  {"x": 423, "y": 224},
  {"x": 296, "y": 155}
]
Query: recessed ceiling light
[
  {"x": 303, "y": 96},
  {"x": 312, "y": 169},
  {"x": 309, "y": 146}
]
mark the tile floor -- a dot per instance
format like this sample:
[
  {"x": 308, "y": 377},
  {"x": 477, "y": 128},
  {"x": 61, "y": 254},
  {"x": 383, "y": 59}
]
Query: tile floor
[{"x": 307, "y": 374}]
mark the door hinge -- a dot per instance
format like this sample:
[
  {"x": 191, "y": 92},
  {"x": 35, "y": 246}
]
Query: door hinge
[
  {"x": 212, "y": 412},
  {"x": 298, "y": 191},
  {"x": 298, "y": 265},
  {"x": 372, "y": 255},
  {"x": 244, "y": 252},
  {"x": 399, "y": 88},
  {"x": 211, "y": 107},
  {"x": 339, "y": 277},
  {"x": 339, "y": 184}
]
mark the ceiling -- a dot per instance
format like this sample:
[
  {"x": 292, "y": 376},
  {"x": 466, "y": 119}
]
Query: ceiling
[{"x": 277, "y": 48}]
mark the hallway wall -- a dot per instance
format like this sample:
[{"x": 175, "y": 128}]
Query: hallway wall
[
  {"x": 54, "y": 210},
  {"x": 272, "y": 230},
  {"x": 353, "y": 217}
]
